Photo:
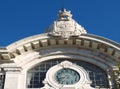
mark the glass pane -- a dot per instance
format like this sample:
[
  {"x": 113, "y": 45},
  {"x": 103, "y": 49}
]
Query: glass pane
[
  {"x": 37, "y": 74},
  {"x": 2, "y": 80}
]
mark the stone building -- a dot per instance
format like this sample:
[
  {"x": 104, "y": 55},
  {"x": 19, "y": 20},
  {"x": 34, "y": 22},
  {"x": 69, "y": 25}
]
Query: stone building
[{"x": 65, "y": 57}]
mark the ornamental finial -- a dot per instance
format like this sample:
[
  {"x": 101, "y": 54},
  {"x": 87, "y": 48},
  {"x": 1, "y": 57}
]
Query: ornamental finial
[{"x": 64, "y": 15}]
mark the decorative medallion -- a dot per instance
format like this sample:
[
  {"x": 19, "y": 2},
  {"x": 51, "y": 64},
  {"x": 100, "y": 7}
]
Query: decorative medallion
[{"x": 67, "y": 75}]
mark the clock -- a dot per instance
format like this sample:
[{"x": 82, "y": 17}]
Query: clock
[{"x": 67, "y": 76}]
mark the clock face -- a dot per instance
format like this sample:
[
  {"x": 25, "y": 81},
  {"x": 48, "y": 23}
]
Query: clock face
[{"x": 67, "y": 76}]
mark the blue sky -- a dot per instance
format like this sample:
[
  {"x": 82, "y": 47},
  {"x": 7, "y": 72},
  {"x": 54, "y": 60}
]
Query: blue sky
[{"x": 23, "y": 18}]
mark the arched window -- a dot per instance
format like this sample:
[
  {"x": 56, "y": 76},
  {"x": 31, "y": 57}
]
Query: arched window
[{"x": 37, "y": 74}]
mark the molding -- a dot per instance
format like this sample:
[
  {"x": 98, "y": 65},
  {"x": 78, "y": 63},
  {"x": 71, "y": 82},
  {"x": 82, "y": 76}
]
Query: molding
[
  {"x": 43, "y": 41},
  {"x": 83, "y": 83},
  {"x": 12, "y": 69}
]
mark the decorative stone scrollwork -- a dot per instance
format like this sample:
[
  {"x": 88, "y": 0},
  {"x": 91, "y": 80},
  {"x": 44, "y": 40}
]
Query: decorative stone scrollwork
[
  {"x": 66, "y": 64},
  {"x": 65, "y": 26}
]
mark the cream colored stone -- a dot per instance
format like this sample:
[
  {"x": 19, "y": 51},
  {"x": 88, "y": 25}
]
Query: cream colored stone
[
  {"x": 65, "y": 26},
  {"x": 28, "y": 46},
  {"x": 44, "y": 42},
  {"x": 94, "y": 45},
  {"x": 110, "y": 51},
  {"x": 70, "y": 42},
  {"x": 78, "y": 42},
  {"x": 36, "y": 44},
  {"x": 20, "y": 49},
  {"x": 6, "y": 56},
  {"x": 117, "y": 54},
  {"x": 52, "y": 42},
  {"x": 61, "y": 42},
  {"x": 86, "y": 43}
]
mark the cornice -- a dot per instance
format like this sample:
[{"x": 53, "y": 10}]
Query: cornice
[{"x": 38, "y": 42}]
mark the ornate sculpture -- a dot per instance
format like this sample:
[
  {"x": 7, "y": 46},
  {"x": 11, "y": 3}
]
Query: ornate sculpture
[{"x": 65, "y": 26}]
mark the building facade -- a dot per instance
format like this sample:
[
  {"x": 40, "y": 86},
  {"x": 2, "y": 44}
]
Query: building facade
[{"x": 65, "y": 57}]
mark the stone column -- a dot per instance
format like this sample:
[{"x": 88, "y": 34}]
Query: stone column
[{"x": 11, "y": 77}]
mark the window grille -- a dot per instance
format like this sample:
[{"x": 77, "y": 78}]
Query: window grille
[
  {"x": 2, "y": 79},
  {"x": 36, "y": 75}
]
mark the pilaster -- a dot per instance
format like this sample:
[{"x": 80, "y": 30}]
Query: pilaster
[{"x": 11, "y": 77}]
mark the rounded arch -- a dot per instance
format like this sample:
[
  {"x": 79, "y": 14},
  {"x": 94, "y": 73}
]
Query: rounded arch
[
  {"x": 86, "y": 55},
  {"x": 85, "y": 48},
  {"x": 85, "y": 41},
  {"x": 41, "y": 69}
]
